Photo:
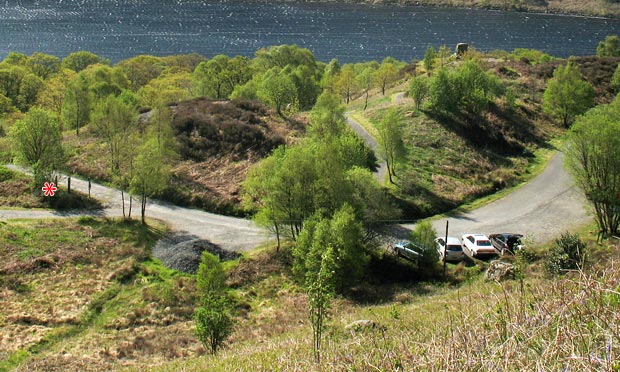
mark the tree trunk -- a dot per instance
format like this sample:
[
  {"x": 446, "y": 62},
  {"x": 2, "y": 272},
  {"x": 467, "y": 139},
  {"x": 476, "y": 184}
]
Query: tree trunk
[
  {"x": 130, "y": 203},
  {"x": 143, "y": 207},
  {"x": 275, "y": 224},
  {"x": 366, "y": 101},
  {"x": 123, "y": 202}
]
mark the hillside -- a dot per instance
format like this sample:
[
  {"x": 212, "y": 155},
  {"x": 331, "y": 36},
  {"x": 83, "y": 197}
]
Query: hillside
[
  {"x": 453, "y": 160},
  {"x": 97, "y": 301},
  {"x": 606, "y": 8}
]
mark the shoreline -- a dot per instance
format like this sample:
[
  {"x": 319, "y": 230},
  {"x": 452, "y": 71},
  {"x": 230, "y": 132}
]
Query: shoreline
[{"x": 447, "y": 4}]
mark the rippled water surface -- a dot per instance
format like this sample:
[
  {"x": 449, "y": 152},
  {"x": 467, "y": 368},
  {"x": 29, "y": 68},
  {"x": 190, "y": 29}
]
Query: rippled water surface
[{"x": 118, "y": 30}]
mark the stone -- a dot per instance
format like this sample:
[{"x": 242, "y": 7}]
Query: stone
[{"x": 499, "y": 271}]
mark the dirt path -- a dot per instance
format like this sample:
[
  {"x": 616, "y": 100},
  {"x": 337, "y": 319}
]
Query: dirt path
[
  {"x": 542, "y": 209},
  {"x": 227, "y": 232}
]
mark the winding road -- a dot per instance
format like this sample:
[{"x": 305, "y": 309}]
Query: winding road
[
  {"x": 230, "y": 233},
  {"x": 542, "y": 209}
]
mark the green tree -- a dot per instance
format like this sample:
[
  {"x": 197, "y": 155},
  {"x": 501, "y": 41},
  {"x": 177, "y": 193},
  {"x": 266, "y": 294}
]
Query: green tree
[
  {"x": 43, "y": 65},
  {"x": 344, "y": 234},
  {"x": 567, "y": 94},
  {"x": 140, "y": 70},
  {"x": 28, "y": 90},
  {"x": 213, "y": 321},
  {"x": 386, "y": 74},
  {"x": 391, "y": 145},
  {"x": 419, "y": 89},
  {"x": 443, "y": 93},
  {"x": 443, "y": 55},
  {"x": 210, "y": 277},
  {"x": 212, "y": 318},
  {"x": 113, "y": 120},
  {"x": 307, "y": 84},
  {"x": 424, "y": 234},
  {"x": 429, "y": 59},
  {"x": 320, "y": 289},
  {"x": 212, "y": 77},
  {"x": 327, "y": 117},
  {"x": 593, "y": 156},
  {"x": 167, "y": 88},
  {"x": 78, "y": 61},
  {"x": 76, "y": 105},
  {"x": 37, "y": 142},
  {"x": 475, "y": 87},
  {"x": 346, "y": 83},
  {"x": 278, "y": 90},
  {"x": 365, "y": 80},
  {"x": 610, "y": 47},
  {"x": 52, "y": 95},
  {"x": 152, "y": 172}
]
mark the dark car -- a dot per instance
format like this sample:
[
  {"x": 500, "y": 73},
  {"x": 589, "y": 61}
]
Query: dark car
[{"x": 506, "y": 242}]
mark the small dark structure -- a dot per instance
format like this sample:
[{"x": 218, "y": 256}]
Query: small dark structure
[{"x": 461, "y": 48}]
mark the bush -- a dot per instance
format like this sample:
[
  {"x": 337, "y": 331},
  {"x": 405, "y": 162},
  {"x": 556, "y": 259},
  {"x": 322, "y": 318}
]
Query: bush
[
  {"x": 5, "y": 174},
  {"x": 213, "y": 322},
  {"x": 424, "y": 234},
  {"x": 569, "y": 253},
  {"x": 210, "y": 278}
]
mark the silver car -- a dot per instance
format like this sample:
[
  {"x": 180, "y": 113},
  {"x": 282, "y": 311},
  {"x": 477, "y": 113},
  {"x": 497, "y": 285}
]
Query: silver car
[{"x": 454, "y": 251}]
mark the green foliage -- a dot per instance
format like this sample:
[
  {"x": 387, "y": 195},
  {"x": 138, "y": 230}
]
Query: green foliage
[
  {"x": 37, "y": 139},
  {"x": 468, "y": 88},
  {"x": 444, "y": 96},
  {"x": 386, "y": 74},
  {"x": 76, "y": 105},
  {"x": 391, "y": 145},
  {"x": 567, "y": 94},
  {"x": 344, "y": 234},
  {"x": 327, "y": 119},
  {"x": 218, "y": 77},
  {"x": 210, "y": 278},
  {"x": 43, "y": 65},
  {"x": 141, "y": 69},
  {"x": 365, "y": 80},
  {"x": 151, "y": 172},
  {"x": 610, "y": 47},
  {"x": 593, "y": 157},
  {"x": 113, "y": 120},
  {"x": 569, "y": 253},
  {"x": 281, "y": 56},
  {"x": 278, "y": 90},
  {"x": 615, "y": 80},
  {"x": 320, "y": 288},
  {"x": 213, "y": 322},
  {"x": 424, "y": 234},
  {"x": 345, "y": 83},
  {"x": 429, "y": 59},
  {"x": 78, "y": 61},
  {"x": 532, "y": 56},
  {"x": 419, "y": 89},
  {"x": 169, "y": 87}
]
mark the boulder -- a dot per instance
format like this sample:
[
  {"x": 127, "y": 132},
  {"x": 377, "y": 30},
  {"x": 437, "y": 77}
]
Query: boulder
[{"x": 499, "y": 271}]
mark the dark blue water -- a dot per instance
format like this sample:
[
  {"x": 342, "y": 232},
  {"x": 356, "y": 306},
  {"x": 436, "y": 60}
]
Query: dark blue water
[{"x": 351, "y": 33}]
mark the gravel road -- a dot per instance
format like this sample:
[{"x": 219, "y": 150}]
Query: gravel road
[
  {"x": 374, "y": 146},
  {"x": 542, "y": 209},
  {"x": 236, "y": 234}
]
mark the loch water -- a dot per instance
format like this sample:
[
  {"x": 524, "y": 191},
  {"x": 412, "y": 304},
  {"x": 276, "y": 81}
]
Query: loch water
[{"x": 349, "y": 32}]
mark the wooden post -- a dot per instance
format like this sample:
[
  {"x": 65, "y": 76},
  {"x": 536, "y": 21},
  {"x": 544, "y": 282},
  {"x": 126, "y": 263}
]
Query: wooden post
[
  {"x": 69, "y": 185},
  {"x": 88, "y": 187},
  {"x": 445, "y": 251}
]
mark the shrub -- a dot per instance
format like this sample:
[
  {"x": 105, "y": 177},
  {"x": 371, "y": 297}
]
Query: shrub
[
  {"x": 210, "y": 278},
  {"x": 569, "y": 253},
  {"x": 213, "y": 322},
  {"x": 5, "y": 174},
  {"x": 424, "y": 234}
]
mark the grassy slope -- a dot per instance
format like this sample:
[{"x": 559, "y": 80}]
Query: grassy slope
[
  {"x": 95, "y": 301},
  {"x": 84, "y": 295},
  {"x": 541, "y": 324},
  {"x": 462, "y": 161}
]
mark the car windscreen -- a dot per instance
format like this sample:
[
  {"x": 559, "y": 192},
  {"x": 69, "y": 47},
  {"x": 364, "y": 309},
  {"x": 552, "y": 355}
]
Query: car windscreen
[
  {"x": 483, "y": 243},
  {"x": 454, "y": 248}
]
